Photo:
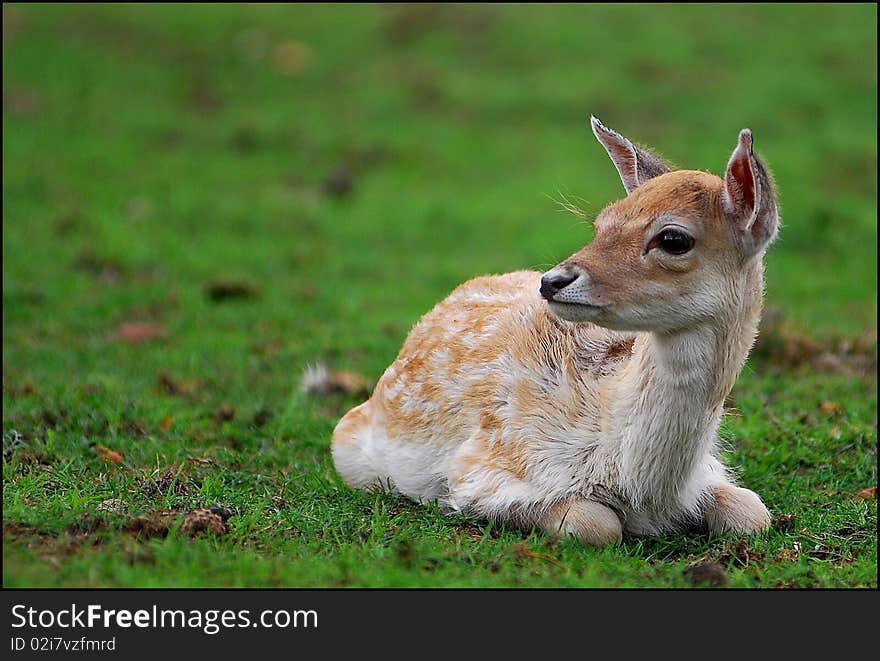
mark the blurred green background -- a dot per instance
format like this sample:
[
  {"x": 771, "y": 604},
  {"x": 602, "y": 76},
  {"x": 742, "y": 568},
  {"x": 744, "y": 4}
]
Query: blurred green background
[
  {"x": 192, "y": 140},
  {"x": 271, "y": 185}
]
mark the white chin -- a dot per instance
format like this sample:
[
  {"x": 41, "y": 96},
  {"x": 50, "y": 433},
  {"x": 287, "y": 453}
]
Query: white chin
[{"x": 575, "y": 311}]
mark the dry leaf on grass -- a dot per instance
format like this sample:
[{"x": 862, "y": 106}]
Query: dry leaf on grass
[
  {"x": 135, "y": 332},
  {"x": 831, "y": 408},
  {"x": 108, "y": 455},
  {"x": 318, "y": 380},
  {"x": 867, "y": 494}
]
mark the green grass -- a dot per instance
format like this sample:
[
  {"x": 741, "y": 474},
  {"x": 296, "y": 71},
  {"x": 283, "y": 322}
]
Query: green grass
[{"x": 151, "y": 150}]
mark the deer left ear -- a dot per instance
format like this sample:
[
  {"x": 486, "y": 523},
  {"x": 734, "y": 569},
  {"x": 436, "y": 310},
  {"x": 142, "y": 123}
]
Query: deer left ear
[
  {"x": 634, "y": 164},
  {"x": 749, "y": 197}
]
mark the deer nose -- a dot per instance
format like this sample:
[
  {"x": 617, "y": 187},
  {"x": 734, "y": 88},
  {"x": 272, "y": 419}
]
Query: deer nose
[{"x": 552, "y": 283}]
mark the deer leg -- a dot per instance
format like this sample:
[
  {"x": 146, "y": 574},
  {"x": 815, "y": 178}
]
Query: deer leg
[
  {"x": 488, "y": 483},
  {"x": 592, "y": 523},
  {"x": 736, "y": 509}
]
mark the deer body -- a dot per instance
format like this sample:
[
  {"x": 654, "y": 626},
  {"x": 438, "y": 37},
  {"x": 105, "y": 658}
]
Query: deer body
[{"x": 586, "y": 401}]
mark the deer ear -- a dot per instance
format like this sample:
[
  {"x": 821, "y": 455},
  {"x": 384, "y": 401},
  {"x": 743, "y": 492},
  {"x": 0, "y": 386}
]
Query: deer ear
[
  {"x": 749, "y": 197},
  {"x": 634, "y": 164}
]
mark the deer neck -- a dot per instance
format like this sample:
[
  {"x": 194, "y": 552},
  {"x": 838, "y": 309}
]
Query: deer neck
[{"x": 670, "y": 397}]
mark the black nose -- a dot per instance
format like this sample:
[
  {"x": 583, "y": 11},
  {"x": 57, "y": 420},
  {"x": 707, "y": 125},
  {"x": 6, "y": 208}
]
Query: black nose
[{"x": 551, "y": 284}]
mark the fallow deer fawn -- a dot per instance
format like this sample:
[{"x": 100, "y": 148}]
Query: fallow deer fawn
[{"x": 587, "y": 401}]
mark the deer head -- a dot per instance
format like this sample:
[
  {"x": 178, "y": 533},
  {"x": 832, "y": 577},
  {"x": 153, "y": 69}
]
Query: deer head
[{"x": 674, "y": 252}]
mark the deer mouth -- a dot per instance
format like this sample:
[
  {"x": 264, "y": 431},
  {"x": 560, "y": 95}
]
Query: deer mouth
[
  {"x": 575, "y": 311},
  {"x": 569, "y": 304}
]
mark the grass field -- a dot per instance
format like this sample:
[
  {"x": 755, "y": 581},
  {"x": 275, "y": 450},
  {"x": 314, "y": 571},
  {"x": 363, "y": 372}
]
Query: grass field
[{"x": 263, "y": 187}]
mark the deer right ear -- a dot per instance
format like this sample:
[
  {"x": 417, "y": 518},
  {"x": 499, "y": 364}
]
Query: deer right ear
[
  {"x": 749, "y": 198},
  {"x": 634, "y": 164}
]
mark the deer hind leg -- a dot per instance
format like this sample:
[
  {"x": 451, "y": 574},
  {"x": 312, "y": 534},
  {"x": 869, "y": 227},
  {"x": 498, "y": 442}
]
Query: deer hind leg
[
  {"x": 485, "y": 481},
  {"x": 351, "y": 448},
  {"x": 732, "y": 508}
]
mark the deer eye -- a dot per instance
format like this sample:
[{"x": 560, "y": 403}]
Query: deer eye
[{"x": 675, "y": 242}]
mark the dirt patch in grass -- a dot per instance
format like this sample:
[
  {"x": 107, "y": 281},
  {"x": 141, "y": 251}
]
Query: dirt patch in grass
[
  {"x": 134, "y": 428},
  {"x": 82, "y": 532},
  {"x": 839, "y": 546},
  {"x": 17, "y": 530},
  {"x": 202, "y": 522},
  {"x": 28, "y": 462},
  {"x": 219, "y": 291},
  {"x": 739, "y": 554},
  {"x": 710, "y": 573},
  {"x": 166, "y": 384},
  {"x": 171, "y": 481},
  {"x": 16, "y": 448},
  {"x": 406, "y": 24},
  {"x": 339, "y": 183},
  {"x": 726, "y": 553},
  {"x": 470, "y": 531},
  {"x": 225, "y": 413},
  {"x": 261, "y": 418},
  {"x": 475, "y": 532},
  {"x": 104, "y": 269},
  {"x": 319, "y": 380},
  {"x": 203, "y": 95},
  {"x": 195, "y": 523},
  {"x": 112, "y": 506},
  {"x": 522, "y": 551},
  {"x": 783, "y": 349},
  {"x": 784, "y": 522},
  {"x": 25, "y": 389},
  {"x": 88, "y": 524},
  {"x": 23, "y": 102},
  {"x": 151, "y": 526},
  {"x": 90, "y": 530},
  {"x": 48, "y": 418}
]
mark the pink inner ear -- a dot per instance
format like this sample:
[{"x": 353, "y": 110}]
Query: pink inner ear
[
  {"x": 741, "y": 185},
  {"x": 624, "y": 159}
]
